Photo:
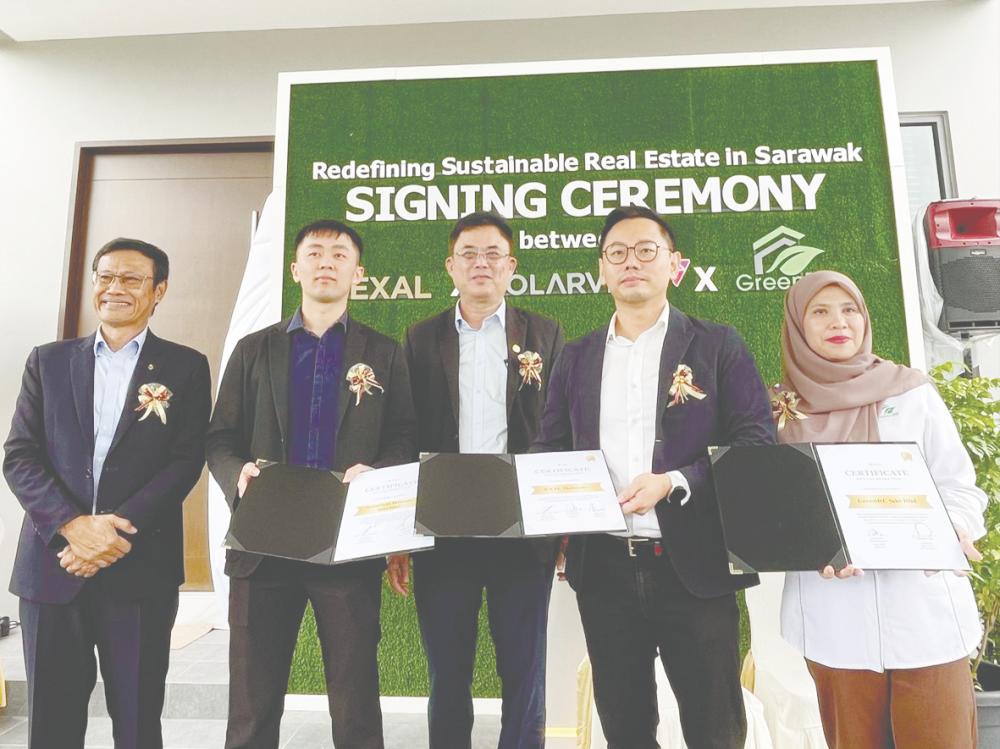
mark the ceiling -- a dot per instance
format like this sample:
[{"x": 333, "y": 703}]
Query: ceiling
[{"x": 36, "y": 20}]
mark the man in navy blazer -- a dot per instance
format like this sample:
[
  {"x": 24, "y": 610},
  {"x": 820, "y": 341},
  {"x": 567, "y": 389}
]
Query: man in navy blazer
[
  {"x": 107, "y": 439},
  {"x": 653, "y": 390}
]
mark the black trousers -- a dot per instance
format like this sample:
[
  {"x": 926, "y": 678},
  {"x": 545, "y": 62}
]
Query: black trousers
[
  {"x": 265, "y": 613},
  {"x": 448, "y": 589},
  {"x": 132, "y": 638},
  {"x": 632, "y": 608}
]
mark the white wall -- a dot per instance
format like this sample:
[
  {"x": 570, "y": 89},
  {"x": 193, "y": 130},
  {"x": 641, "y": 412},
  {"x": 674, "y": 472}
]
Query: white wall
[{"x": 55, "y": 94}]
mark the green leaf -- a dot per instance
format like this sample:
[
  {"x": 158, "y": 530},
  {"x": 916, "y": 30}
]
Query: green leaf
[{"x": 793, "y": 260}]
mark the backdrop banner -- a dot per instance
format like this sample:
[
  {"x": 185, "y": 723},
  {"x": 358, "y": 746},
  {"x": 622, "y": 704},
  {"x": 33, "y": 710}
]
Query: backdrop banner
[{"x": 767, "y": 166}]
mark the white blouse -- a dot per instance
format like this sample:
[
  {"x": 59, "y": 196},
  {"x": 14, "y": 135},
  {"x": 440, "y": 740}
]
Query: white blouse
[{"x": 897, "y": 619}]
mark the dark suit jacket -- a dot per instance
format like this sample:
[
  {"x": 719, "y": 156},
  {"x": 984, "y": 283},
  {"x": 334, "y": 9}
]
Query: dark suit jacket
[
  {"x": 735, "y": 411},
  {"x": 148, "y": 472},
  {"x": 250, "y": 421},
  {"x": 432, "y": 354}
]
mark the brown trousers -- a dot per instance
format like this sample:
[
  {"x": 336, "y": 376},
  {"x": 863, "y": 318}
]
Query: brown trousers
[{"x": 909, "y": 708}]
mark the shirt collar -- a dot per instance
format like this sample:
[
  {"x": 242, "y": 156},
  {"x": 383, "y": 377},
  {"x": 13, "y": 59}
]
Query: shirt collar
[
  {"x": 500, "y": 315},
  {"x": 296, "y": 322},
  {"x": 661, "y": 320},
  {"x": 133, "y": 347}
]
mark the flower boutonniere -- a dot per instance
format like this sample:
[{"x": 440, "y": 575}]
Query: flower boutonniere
[
  {"x": 529, "y": 367},
  {"x": 683, "y": 386},
  {"x": 362, "y": 379},
  {"x": 154, "y": 398},
  {"x": 785, "y": 406}
]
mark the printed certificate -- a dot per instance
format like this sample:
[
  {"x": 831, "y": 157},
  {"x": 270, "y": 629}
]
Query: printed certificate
[
  {"x": 890, "y": 512},
  {"x": 378, "y": 515},
  {"x": 567, "y": 493}
]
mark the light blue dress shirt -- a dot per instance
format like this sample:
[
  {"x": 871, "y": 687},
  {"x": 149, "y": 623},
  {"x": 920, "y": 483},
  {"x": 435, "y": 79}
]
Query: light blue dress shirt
[
  {"x": 482, "y": 383},
  {"x": 112, "y": 375}
]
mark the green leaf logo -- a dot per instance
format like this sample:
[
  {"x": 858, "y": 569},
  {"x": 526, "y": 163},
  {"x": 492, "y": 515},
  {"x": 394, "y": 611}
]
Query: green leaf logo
[{"x": 793, "y": 260}]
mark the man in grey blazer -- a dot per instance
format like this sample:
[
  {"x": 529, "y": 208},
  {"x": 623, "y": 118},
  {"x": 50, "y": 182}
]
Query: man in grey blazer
[{"x": 322, "y": 390}]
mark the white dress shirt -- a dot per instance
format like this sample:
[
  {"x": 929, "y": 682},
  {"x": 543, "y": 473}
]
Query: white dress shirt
[
  {"x": 897, "y": 619},
  {"x": 482, "y": 383},
  {"x": 630, "y": 383},
  {"x": 112, "y": 374}
]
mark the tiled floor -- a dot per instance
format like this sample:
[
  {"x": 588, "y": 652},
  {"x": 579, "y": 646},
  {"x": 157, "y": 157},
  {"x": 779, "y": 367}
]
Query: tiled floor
[
  {"x": 299, "y": 730},
  {"x": 196, "y": 703}
]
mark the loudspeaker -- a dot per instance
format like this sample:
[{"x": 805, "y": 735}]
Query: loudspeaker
[{"x": 963, "y": 245}]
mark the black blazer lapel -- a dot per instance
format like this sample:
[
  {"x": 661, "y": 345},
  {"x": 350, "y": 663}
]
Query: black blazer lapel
[
  {"x": 517, "y": 329},
  {"x": 675, "y": 346},
  {"x": 590, "y": 366},
  {"x": 147, "y": 369},
  {"x": 278, "y": 362},
  {"x": 354, "y": 352},
  {"x": 447, "y": 342},
  {"x": 81, "y": 375}
]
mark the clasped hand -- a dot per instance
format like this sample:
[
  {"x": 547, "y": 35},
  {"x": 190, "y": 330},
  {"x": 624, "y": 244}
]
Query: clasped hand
[{"x": 94, "y": 543}]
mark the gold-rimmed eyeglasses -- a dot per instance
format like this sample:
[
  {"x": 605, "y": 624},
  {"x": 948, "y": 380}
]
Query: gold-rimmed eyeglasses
[{"x": 130, "y": 281}]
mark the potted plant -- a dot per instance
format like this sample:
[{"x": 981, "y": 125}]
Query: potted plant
[{"x": 975, "y": 407}]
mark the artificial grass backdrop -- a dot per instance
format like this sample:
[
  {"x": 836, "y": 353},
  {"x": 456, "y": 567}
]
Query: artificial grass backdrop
[{"x": 849, "y": 227}]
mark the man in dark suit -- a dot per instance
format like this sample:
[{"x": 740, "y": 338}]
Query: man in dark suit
[
  {"x": 320, "y": 390},
  {"x": 108, "y": 438},
  {"x": 653, "y": 390},
  {"x": 472, "y": 386}
]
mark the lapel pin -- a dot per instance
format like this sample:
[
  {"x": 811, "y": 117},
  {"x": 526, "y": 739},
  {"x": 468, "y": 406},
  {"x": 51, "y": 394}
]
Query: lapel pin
[
  {"x": 151, "y": 367},
  {"x": 516, "y": 349}
]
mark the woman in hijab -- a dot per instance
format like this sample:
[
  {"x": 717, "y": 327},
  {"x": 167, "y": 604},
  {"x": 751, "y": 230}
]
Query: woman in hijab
[{"x": 887, "y": 650}]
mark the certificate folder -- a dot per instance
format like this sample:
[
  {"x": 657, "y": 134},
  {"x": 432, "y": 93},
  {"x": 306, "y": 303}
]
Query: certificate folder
[
  {"x": 515, "y": 496},
  {"x": 312, "y": 516},
  {"x": 800, "y": 507},
  {"x": 776, "y": 513}
]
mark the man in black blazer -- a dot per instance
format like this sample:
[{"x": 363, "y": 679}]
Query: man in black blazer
[
  {"x": 107, "y": 439},
  {"x": 471, "y": 367},
  {"x": 653, "y": 390},
  {"x": 321, "y": 390}
]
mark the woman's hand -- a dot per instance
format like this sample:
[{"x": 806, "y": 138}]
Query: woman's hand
[
  {"x": 968, "y": 548},
  {"x": 829, "y": 573}
]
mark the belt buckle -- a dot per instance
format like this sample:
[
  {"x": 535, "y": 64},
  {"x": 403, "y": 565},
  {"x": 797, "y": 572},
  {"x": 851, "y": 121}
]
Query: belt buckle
[{"x": 633, "y": 546}]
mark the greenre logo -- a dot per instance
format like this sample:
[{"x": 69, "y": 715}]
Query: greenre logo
[{"x": 779, "y": 260}]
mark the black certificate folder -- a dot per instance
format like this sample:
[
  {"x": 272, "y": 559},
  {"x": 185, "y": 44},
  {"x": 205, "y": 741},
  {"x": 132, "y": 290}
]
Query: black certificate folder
[
  {"x": 776, "y": 511},
  {"x": 468, "y": 495},
  {"x": 292, "y": 512},
  {"x": 513, "y": 496}
]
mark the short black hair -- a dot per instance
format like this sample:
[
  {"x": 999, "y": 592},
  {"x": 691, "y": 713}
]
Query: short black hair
[
  {"x": 161, "y": 263},
  {"x": 329, "y": 226},
  {"x": 477, "y": 219},
  {"x": 621, "y": 213}
]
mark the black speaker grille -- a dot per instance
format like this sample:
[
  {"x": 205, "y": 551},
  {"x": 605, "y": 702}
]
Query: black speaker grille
[{"x": 972, "y": 283}]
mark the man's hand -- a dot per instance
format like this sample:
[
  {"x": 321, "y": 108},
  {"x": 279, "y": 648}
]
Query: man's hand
[
  {"x": 829, "y": 573},
  {"x": 561, "y": 559},
  {"x": 398, "y": 573},
  {"x": 76, "y": 566},
  {"x": 94, "y": 538},
  {"x": 645, "y": 490},
  {"x": 354, "y": 471},
  {"x": 248, "y": 473}
]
